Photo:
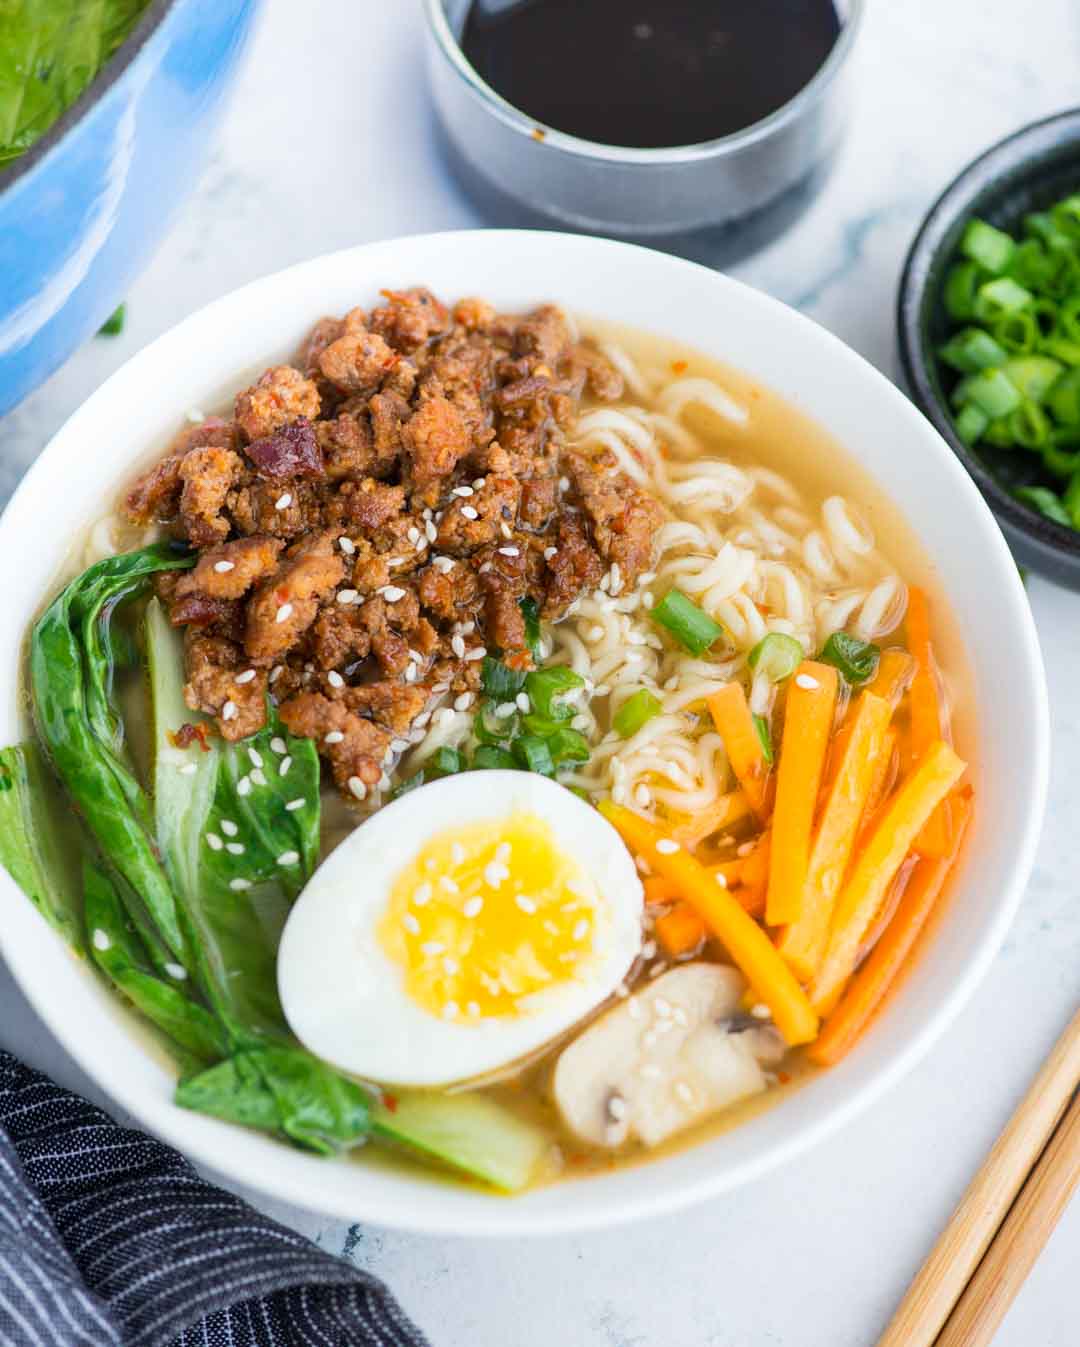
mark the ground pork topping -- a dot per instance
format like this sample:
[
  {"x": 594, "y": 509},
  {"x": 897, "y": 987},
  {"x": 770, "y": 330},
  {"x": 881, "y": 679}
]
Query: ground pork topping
[{"x": 372, "y": 519}]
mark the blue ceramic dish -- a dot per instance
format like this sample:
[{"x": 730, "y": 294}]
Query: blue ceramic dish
[{"x": 83, "y": 211}]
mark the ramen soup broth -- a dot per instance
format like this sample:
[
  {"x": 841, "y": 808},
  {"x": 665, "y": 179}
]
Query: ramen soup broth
[{"x": 752, "y": 489}]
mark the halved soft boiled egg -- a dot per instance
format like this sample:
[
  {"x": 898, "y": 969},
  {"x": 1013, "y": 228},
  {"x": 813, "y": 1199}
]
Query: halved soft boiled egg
[{"x": 460, "y": 928}]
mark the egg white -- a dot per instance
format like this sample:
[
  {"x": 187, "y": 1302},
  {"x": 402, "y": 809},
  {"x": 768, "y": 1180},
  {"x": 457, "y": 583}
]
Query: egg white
[{"x": 345, "y": 998}]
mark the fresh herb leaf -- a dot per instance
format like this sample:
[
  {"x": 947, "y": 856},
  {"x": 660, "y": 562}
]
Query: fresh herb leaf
[
  {"x": 114, "y": 324},
  {"x": 499, "y": 682},
  {"x": 636, "y": 711},
  {"x": 543, "y": 686},
  {"x": 531, "y": 613},
  {"x": 857, "y": 660},
  {"x": 489, "y": 757},
  {"x": 764, "y": 734}
]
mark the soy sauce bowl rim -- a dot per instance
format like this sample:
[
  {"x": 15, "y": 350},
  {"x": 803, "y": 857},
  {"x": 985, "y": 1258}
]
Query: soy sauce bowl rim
[
  {"x": 516, "y": 120},
  {"x": 1016, "y": 158}
]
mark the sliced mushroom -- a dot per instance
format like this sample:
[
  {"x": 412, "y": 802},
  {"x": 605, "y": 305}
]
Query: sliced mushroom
[{"x": 668, "y": 1056}]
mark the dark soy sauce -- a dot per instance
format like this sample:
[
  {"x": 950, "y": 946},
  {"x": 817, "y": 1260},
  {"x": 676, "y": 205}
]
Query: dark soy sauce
[{"x": 649, "y": 73}]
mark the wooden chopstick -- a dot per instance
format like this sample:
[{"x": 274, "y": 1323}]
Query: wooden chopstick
[
  {"x": 953, "y": 1260},
  {"x": 1016, "y": 1246}
]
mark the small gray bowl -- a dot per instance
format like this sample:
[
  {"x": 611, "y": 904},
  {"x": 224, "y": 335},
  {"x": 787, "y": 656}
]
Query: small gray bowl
[
  {"x": 558, "y": 179},
  {"x": 1026, "y": 172}
]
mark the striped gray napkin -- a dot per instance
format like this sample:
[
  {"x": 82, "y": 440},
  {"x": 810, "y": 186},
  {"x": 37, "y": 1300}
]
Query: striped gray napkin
[{"x": 110, "y": 1239}]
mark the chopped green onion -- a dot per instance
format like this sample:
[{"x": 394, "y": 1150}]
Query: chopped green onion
[
  {"x": 1065, "y": 276},
  {"x": 1068, "y": 352},
  {"x": 1069, "y": 318},
  {"x": 541, "y": 726},
  {"x": 761, "y": 728},
  {"x": 961, "y": 283},
  {"x": 1041, "y": 225},
  {"x": 488, "y": 757},
  {"x": 636, "y": 711},
  {"x": 970, "y": 425},
  {"x": 1018, "y": 332},
  {"x": 417, "y": 779},
  {"x": 1031, "y": 265},
  {"x": 993, "y": 393},
  {"x": 531, "y": 613},
  {"x": 777, "y": 656},
  {"x": 1047, "y": 503},
  {"x": 1033, "y": 375},
  {"x": 544, "y": 685},
  {"x": 1063, "y": 400},
  {"x": 991, "y": 248},
  {"x": 533, "y": 754},
  {"x": 971, "y": 350},
  {"x": 114, "y": 324},
  {"x": 688, "y": 623},
  {"x": 1066, "y": 216},
  {"x": 500, "y": 683},
  {"x": 857, "y": 660},
  {"x": 492, "y": 729},
  {"x": 445, "y": 761},
  {"x": 1061, "y": 461},
  {"x": 1071, "y": 500},
  {"x": 1000, "y": 296},
  {"x": 998, "y": 433},
  {"x": 567, "y": 745},
  {"x": 1029, "y": 426},
  {"x": 961, "y": 394}
]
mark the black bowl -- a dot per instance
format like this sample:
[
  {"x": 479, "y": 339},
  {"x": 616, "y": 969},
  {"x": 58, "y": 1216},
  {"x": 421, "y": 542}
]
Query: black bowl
[{"x": 1029, "y": 171}]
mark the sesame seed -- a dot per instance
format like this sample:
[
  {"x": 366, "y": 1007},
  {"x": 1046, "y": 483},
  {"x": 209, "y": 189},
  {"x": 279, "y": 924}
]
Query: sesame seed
[
  {"x": 347, "y": 596},
  {"x": 462, "y": 491},
  {"x": 477, "y": 652},
  {"x": 463, "y": 701},
  {"x": 457, "y": 645},
  {"x": 239, "y": 885},
  {"x": 235, "y": 848},
  {"x": 662, "y": 1007},
  {"x": 657, "y": 969},
  {"x": 278, "y": 744},
  {"x": 457, "y": 853},
  {"x": 357, "y": 787},
  {"x": 283, "y": 613},
  {"x": 229, "y": 828},
  {"x": 399, "y": 745},
  {"x": 283, "y": 501},
  {"x": 195, "y": 416},
  {"x": 247, "y": 676},
  {"x": 450, "y": 1011},
  {"x": 258, "y": 777},
  {"x": 347, "y": 546},
  {"x": 647, "y": 600},
  {"x": 101, "y": 941},
  {"x": 495, "y": 873},
  {"x": 384, "y": 782},
  {"x": 288, "y": 858},
  {"x": 243, "y": 786},
  {"x": 430, "y": 531},
  {"x": 509, "y": 552},
  {"x": 391, "y": 593},
  {"x": 616, "y": 1107},
  {"x": 667, "y": 846},
  {"x": 335, "y": 679},
  {"x": 413, "y": 535},
  {"x": 229, "y": 711},
  {"x": 595, "y": 633},
  {"x": 502, "y": 852},
  {"x": 176, "y": 971},
  {"x": 761, "y": 1011},
  {"x": 642, "y": 796},
  {"x": 214, "y": 842},
  {"x": 448, "y": 885},
  {"x": 422, "y": 895},
  {"x": 284, "y": 765},
  {"x": 450, "y": 966},
  {"x": 469, "y": 512},
  {"x": 255, "y": 756},
  {"x": 276, "y": 672},
  {"x": 526, "y": 904},
  {"x": 410, "y": 923},
  {"x": 187, "y": 768},
  {"x": 648, "y": 950},
  {"x": 523, "y": 702},
  {"x": 564, "y": 483},
  {"x": 473, "y": 907},
  {"x": 472, "y": 1010},
  {"x": 426, "y": 512},
  {"x": 432, "y": 948},
  {"x": 223, "y": 567},
  {"x": 683, "y": 1092},
  {"x": 293, "y": 805},
  {"x": 805, "y": 681},
  {"x": 550, "y": 552}
]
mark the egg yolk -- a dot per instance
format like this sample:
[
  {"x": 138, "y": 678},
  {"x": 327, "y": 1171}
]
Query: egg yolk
[{"x": 485, "y": 917}]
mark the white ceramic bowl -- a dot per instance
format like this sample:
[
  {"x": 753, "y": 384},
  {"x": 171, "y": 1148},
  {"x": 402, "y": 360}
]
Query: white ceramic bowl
[{"x": 203, "y": 360}]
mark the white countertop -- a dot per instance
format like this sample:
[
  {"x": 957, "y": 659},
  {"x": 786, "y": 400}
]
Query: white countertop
[{"x": 818, "y": 1253}]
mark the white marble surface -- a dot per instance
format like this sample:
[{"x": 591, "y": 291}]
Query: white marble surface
[{"x": 331, "y": 142}]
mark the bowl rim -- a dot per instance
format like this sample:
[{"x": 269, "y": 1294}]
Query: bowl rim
[
  {"x": 519, "y": 122},
  {"x": 146, "y": 27},
  {"x": 205, "y": 1140},
  {"x": 1043, "y": 537}
]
